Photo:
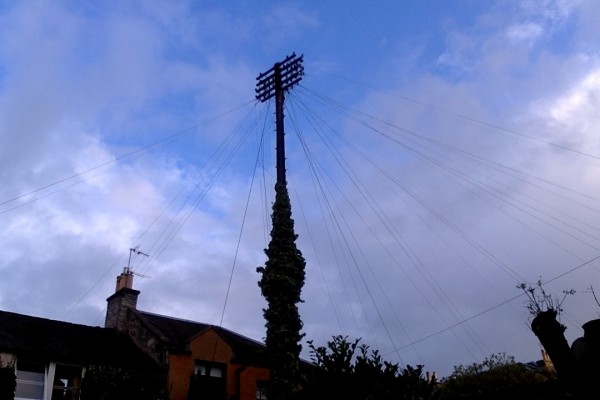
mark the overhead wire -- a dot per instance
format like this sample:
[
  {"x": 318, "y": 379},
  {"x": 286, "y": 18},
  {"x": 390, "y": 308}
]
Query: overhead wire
[
  {"x": 341, "y": 240},
  {"x": 327, "y": 210},
  {"x": 306, "y": 223},
  {"x": 591, "y": 197},
  {"x": 503, "y": 168},
  {"x": 557, "y": 244},
  {"x": 223, "y": 156},
  {"x": 494, "y": 127},
  {"x": 384, "y": 220},
  {"x": 172, "y": 225},
  {"x": 518, "y": 220},
  {"x": 385, "y": 173},
  {"x": 264, "y": 195},
  {"x": 496, "y": 306},
  {"x": 317, "y": 258},
  {"x": 509, "y": 270},
  {"x": 471, "y": 180},
  {"x": 137, "y": 151},
  {"x": 237, "y": 247}
]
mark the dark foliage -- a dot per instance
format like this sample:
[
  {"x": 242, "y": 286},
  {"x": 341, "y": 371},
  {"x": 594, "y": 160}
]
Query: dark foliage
[
  {"x": 281, "y": 285},
  {"x": 112, "y": 383},
  {"x": 540, "y": 301},
  {"x": 8, "y": 383},
  {"x": 497, "y": 376},
  {"x": 347, "y": 370}
]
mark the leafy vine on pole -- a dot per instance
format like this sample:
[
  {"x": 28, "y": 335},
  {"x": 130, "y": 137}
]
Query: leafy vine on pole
[{"x": 281, "y": 285}]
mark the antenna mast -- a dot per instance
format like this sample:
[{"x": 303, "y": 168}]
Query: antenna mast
[{"x": 128, "y": 269}]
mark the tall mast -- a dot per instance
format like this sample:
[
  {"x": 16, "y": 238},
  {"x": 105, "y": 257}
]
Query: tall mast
[{"x": 283, "y": 273}]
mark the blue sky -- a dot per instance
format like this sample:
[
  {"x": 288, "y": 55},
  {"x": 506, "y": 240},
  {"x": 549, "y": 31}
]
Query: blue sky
[{"x": 438, "y": 152}]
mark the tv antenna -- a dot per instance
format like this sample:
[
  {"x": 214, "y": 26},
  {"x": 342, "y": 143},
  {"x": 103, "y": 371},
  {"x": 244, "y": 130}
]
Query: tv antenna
[{"x": 128, "y": 269}]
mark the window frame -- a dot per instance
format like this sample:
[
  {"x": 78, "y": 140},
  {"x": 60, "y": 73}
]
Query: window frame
[
  {"x": 261, "y": 389},
  {"x": 209, "y": 367},
  {"x": 26, "y": 383},
  {"x": 73, "y": 375},
  {"x": 47, "y": 371}
]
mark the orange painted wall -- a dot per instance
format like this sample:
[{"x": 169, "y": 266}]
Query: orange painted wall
[
  {"x": 209, "y": 346},
  {"x": 248, "y": 378},
  {"x": 181, "y": 367}
]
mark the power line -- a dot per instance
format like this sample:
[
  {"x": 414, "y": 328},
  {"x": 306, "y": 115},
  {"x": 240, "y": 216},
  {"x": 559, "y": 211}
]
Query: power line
[
  {"x": 237, "y": 247},
  {"x": 466, "y": 118},
  {"x": 386, "y": 221},
  {"x": 487, "y": 310},
  {"x": 175, "y": 223},
  {"x": 143, "y": 149}
]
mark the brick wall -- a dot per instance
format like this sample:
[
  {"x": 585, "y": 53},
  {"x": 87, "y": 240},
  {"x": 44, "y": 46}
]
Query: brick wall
[{"x": 118, "y": 304}]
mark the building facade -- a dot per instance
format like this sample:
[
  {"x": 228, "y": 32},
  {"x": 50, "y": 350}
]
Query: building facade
[
  {"x": 51, "y": 357},
  {"x": 200, "y": 361},
  {"x": 203, "y": 361}
]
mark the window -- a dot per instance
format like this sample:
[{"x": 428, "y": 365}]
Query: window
[
  {"x": 261, "y": 390},
  {"x": 67, "y": 380},
  {"x": 209, "y": 369},
  {"x": 208, "y": 381},
  {"x": 63, "y": 380},
  {"x": 30, "y": 381}
]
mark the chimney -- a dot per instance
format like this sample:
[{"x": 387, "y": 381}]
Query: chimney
[
  {"x": 125, "y": 280},
  {"x": 124, "y": 298}
]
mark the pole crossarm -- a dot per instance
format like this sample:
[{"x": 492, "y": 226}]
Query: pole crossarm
[{"x": 282, "y": 76}]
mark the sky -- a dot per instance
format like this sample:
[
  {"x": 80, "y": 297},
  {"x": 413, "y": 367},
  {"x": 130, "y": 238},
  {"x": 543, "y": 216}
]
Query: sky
[{"x": 439, "y": 153}]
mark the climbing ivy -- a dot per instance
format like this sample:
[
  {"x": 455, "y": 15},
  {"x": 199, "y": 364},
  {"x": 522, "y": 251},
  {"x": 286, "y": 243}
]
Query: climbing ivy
[{"x": 281, "y": 285}]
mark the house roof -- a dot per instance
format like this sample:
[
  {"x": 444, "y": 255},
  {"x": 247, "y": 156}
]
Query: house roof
[
  {"x": 179, "y": 332},
  {"x": 42, "y": 339}
]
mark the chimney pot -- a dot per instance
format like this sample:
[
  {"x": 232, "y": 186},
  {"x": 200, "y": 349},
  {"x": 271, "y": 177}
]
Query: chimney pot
[{"x": 125, "y": 280}]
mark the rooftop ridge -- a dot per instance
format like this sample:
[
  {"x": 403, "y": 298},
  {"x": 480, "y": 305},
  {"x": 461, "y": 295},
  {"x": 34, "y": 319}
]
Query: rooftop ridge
[
  {"x": 207, "y": 325},
  {"x": 242, "y": 336},
  {"x": 174, "y": 318},
  {"x": 20, "y": 315}
]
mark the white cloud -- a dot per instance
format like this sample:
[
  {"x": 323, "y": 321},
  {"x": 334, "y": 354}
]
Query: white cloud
[
  {"x": 580, "y": 104},
  {"x": 527, "y": 32},
  {"x": 553, "y": 11}
]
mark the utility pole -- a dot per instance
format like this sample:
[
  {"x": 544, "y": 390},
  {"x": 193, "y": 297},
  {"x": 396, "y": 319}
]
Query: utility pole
[
  {"x": 283, "y": 273},
  {"x": 274, "y": 83}
]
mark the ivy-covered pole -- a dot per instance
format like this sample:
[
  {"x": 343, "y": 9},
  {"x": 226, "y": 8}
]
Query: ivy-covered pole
[
  {"x": 283, "y": 273},
  {"x": 281, "y": 285}
]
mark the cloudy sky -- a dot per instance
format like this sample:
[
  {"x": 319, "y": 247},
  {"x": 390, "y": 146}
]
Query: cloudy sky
[{"x": 439, "y": 153}]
